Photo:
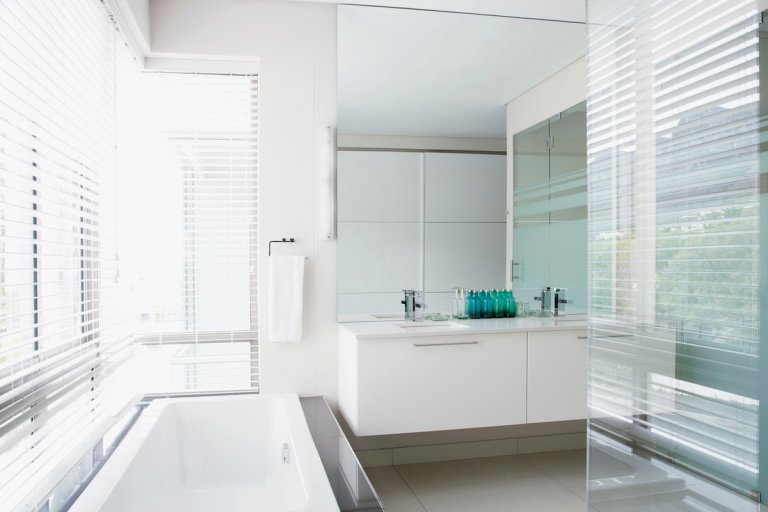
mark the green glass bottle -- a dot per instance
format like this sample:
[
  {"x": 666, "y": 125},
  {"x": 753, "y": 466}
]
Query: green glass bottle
[
  {"x": 512, "y": 303},
  {"x": 472, "y": 304},
  {"x": 497, "y": 296}
]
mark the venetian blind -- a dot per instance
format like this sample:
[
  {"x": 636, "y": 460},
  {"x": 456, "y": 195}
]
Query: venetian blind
[
  {"x": 197, "y": 298},
  {"x": 62, "y": 331},
  {"x": 674, "y": 233}
]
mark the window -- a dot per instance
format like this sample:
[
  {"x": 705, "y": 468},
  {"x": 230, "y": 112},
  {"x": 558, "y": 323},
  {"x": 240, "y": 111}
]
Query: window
[
  {"x": 61, "y": 332},
  {"x": 157, "y": 274},
  {"x": 193, "y": 253}
]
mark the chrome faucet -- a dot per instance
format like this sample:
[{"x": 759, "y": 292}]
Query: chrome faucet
[
  {"x": 560, "y": 301},
  {"x": 408, "y": 303},
  {"x": 413, "y": 303},
  {"x": 546, "y": 301}
]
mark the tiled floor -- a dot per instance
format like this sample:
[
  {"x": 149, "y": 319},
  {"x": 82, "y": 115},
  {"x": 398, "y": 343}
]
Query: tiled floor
[{"x": 536, "y": 482}]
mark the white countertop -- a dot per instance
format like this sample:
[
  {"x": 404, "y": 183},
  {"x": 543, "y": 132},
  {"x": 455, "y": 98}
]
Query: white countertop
[
  {"x": 393, "y": 329},
  {"x": 371, "y": 317}
]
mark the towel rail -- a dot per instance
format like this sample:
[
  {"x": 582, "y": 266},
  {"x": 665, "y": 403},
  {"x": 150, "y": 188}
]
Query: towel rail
[{"x": 281, "y": 241}]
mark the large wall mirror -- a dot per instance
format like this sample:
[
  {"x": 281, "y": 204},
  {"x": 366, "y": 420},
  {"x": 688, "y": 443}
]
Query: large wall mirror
[{"x": 424, "y": 178}]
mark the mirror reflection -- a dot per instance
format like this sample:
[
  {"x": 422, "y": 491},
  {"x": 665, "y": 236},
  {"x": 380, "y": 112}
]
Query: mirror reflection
[
  {"x": 425, "y": 184},
  {"x": 550, "y": 207}
]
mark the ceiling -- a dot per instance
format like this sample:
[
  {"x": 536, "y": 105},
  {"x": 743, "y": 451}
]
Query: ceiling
[
  {"x": 566, "y": 10},
  {"x": 421, "y": 73}
]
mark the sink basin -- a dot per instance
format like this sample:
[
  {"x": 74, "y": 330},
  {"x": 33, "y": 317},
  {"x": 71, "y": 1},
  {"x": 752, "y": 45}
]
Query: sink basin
[
  {"x": 388, "y": 315},
  {"x": 432, "y": 325}
]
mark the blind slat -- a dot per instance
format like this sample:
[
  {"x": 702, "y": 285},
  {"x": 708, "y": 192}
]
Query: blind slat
[
  {"x": 86, "y": 266},
  {"x": 673, "y": 90}
]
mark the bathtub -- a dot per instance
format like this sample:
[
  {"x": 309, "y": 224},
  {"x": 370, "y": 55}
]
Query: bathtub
[{"x": 233, "y": 453}]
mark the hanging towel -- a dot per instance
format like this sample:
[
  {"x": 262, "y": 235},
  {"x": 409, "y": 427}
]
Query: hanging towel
[{"x": 286, "y": 297}]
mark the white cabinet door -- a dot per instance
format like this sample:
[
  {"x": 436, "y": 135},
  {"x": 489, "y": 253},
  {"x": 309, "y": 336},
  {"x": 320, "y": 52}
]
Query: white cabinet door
[
  {"x": 463, "y": 187},
  {"x": 431, "y": 383},
  {"x": 471, "y": 250},
  {"x": 380, "y": 235},
  {"x": 557, "y": 375},
  {"x": 380, "y": 186}
]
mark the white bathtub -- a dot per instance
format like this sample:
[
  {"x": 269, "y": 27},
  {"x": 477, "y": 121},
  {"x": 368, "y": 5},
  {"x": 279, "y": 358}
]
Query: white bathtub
[{"x": 233, "y": 453}]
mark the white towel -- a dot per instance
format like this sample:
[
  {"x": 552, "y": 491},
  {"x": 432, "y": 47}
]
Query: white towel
[{"x": 286, "y": 297}]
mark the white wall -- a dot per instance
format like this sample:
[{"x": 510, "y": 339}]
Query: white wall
[
  {"x": 141, "y": 15},
  {"x": 555, "y": 94},
  {"x": 296, "y": 47},
  {"x": 133, "y": 17}
]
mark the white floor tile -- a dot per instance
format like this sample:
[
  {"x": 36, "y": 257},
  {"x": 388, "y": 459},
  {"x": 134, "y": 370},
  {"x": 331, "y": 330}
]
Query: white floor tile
[
  {"x": 493, "y": 484},
  {"x": 400, "y": 501},
  {"x": 576, "y": 483},
  {"x": 526, "y": 495},
  {"x": 569, "y": 462},
  {"x": 467, "y": 472},
  {"x": 545, "y": 495},
  {"x": 386, "y": 478},
  {"x": 467, "y": 498}
]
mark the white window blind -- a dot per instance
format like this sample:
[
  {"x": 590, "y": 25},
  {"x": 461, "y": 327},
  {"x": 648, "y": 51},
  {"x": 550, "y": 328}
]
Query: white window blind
[
  {"x": 62, "y": 331},
  {"x": 193, "y": 258},
  {"x": 87, "y": 267},
  {"x": 674, "y": 231}
]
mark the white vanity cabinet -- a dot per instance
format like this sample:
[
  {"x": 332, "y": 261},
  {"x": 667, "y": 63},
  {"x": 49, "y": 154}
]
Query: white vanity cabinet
[
  {"x": 395, "y": 379},
  {"x": 557, "y": 375},
  {"x": 427, "y": 383}
]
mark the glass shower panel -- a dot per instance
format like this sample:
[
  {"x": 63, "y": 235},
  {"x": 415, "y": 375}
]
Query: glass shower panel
[
  {"x": 674, "y": 224},
  {"x": 531, "y": 231}
]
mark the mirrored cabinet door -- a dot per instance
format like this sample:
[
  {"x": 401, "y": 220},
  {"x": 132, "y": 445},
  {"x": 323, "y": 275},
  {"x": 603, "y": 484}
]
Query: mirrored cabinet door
[
  {"x": 380, "y": 229},
  {"x": 419, "y": 220},
  {"x": 550, "y": 208},
  {"x": 531, "y": 245},
  {"x": 465, "y": 224},
  {"x": 568, "y": 203}
]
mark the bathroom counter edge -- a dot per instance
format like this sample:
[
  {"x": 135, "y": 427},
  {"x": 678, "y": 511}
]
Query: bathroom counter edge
[{"x": 390, "y": 329}]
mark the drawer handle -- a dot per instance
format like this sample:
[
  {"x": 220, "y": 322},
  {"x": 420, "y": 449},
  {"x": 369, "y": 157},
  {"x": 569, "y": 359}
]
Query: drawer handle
[
  {"x": 583, "y": 337},
  {"x": 446, "y": 344}
]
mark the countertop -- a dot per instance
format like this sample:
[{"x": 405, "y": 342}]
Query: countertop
[{"x": 393, "y": 329}]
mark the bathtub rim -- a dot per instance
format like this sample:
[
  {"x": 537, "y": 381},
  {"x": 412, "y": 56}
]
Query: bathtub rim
[{"x": 99, "y": 488}]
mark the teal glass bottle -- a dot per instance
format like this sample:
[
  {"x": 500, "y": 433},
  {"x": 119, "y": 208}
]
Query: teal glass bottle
[
  {"x": 498, "y": 303},
  {"x": 471, "y": 305},
  {"x": 504, "y": 303},
  {"x": 512, "y": 303},
  {"x": 487, "y": 304},
  {"x": 478, "y": 304}
]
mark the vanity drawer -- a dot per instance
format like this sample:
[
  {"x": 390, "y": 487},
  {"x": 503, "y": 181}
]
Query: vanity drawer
[
  {"x": 557, "y": 375},
  {"x": 428, "y": 383}
]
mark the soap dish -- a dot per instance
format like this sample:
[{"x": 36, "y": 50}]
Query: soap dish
[{"x": 439, "y": 317}]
